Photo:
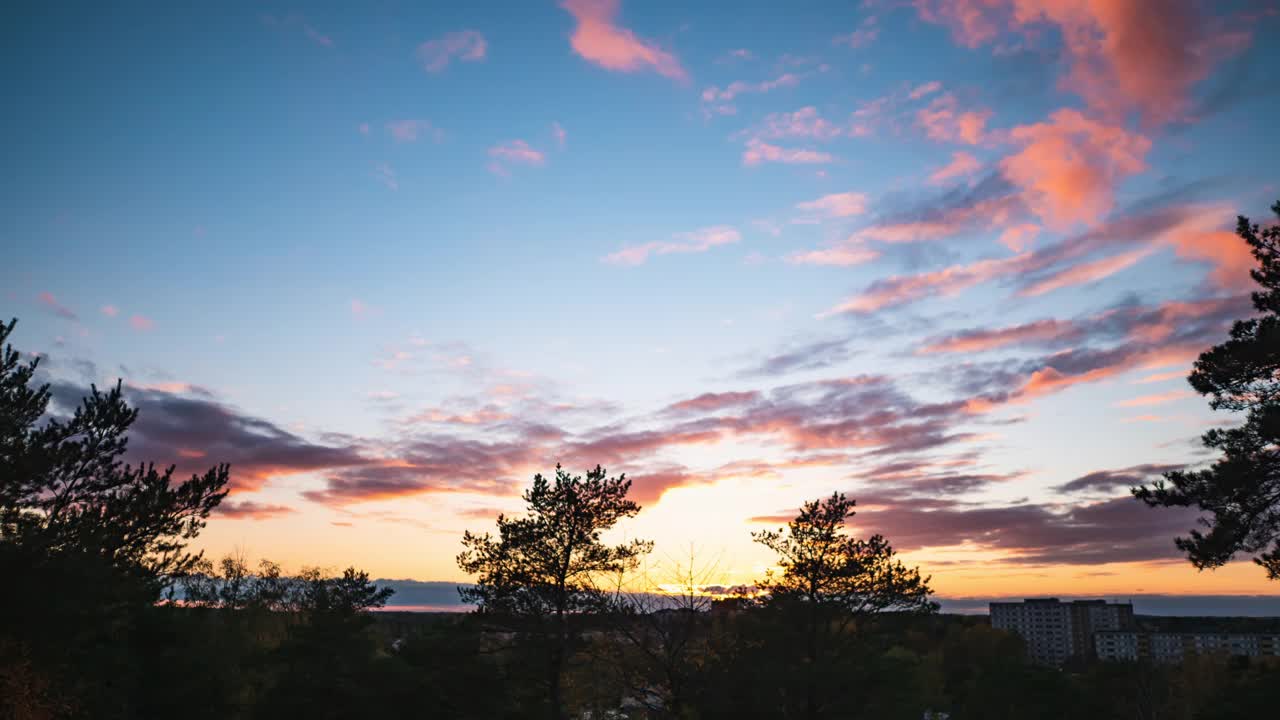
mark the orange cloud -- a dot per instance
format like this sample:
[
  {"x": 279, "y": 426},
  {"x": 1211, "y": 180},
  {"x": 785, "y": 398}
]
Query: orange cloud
[
  {"x": 1122, "y": 54},
  {"x": 598, "y": 40},
  {"x": 962, "y": 164},
  {"x": 1229, "y": 255},
  {"x": 982, "y": 340},
  {"x": 1018, "y": 237},
  {"x": 1069, "y": 167}
]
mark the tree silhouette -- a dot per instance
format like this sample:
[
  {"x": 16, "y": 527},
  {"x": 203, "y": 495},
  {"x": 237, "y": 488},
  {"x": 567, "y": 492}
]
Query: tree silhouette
[
  {"x": 829, "y": 580},
  {"x": 88, "y": 543},
  {"x": 1241, "y": 491},
  {"x": 63, "y": 488},
  {"x": 540, "y": 571}
]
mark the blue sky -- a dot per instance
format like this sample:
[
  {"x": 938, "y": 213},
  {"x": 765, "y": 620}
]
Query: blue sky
[{"x": 408, "y": 254}]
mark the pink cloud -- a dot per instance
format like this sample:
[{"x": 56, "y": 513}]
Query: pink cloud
[
  {"x": 691, "y": 242},
  {"x": 110, "y": 310},
  {"x": 943, "y": 121},
  {"x": 464, "y": 45},
  {"x": 711, "y": 402},
  {"x": 983, "y": 340},
  {"x": 1069, "y": 167},
  {"x": 482, "y": 416},
  {"x": 1204, "y": 238},
  {"x": 142, "y": 323},
  {"x": 845, "y": 204},
  {"x": 925, "y": 89},
  {"x": 758, "y": 152},
  {"x": 598, "y": 40},
  {"x": 867, "y": 32},
  {"x": 1059, "y": 265},
  {"x": 559, "y": 134},
  {"x": 514, "y": 152},
  {"x": 48, "y": 300},
  {"x": 1085, "y": 273},
  {"x": 962, "y": 164},
  {"x": 1018, "y": 237},
  {"x": 1163, "y": 377},
  {"x": 805, "y": 122},
  {"x": 361, "y": 309},
  {"x": 317, "y": 37},
  {"x": 839, "y": 256},
  {"x": 1157, "y": 399},
  {"x": 948, "y": 281},
  {"x": 1121, "y": 55},
  {"x": 410, "y": 130},
  {"x": 717, "y": 100}
]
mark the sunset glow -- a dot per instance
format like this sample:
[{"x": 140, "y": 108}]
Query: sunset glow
[{"x": 952, "y": 257}]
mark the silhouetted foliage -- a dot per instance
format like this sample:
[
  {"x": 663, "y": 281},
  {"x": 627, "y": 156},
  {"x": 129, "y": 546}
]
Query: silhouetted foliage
[
  {"x": 540, "y": 573},
  {"x": 91, "y": 541},
  {"x": 64, "y": 489},
  {"x": 829, "y": 581},
  {"x": 1241, "y": 490}
]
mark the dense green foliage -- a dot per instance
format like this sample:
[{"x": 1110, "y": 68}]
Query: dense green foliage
[{"x": 1240, "y": 492}]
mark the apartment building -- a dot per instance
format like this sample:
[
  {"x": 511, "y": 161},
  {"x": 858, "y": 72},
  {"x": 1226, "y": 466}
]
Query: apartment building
[
  {"x": 1172, "y": 647},
  {"x": 1056, "y": 631}
]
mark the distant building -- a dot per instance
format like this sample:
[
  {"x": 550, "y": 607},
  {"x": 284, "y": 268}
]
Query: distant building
[
  {"x": 1172, "y": 647},
  {"x": 1055, "y": 631}
]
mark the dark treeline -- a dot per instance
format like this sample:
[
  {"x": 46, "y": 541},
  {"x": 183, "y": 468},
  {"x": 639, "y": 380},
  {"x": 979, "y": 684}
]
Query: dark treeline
[{"x": 105, "y": 613}]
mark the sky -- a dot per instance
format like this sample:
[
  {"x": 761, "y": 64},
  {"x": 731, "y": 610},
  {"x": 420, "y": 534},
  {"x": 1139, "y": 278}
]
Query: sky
[{"x": 388, "y": 259}]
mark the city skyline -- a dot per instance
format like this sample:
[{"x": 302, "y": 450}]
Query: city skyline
[{"x": 951, "y": 257}]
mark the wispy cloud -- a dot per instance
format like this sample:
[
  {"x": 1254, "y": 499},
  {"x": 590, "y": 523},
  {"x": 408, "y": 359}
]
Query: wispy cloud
[
  {"x": 465, "y": 46},
  {"x": 759, "y": 151},
  {"x": 962, "y": 164},
  {"x": 691, "y": 242},
  {"x": 386, "y": 175},
  {"x": 866, "y": 33},
  {"x": 141, "y": 323},
  {"x": 943, "y": 121},
  {"x": 410, "y": 130},
  {"x": 837, "y": 205},
  {"x": 513, "y": 152},
  {"x": 1155, "y": 399},
  {"x": 49, "y": 301}
]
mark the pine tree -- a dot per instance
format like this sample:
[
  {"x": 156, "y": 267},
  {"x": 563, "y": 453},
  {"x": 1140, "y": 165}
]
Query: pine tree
[
  {"x": 1240, "y": 492},
  {"x": 540, "y": 572}
]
